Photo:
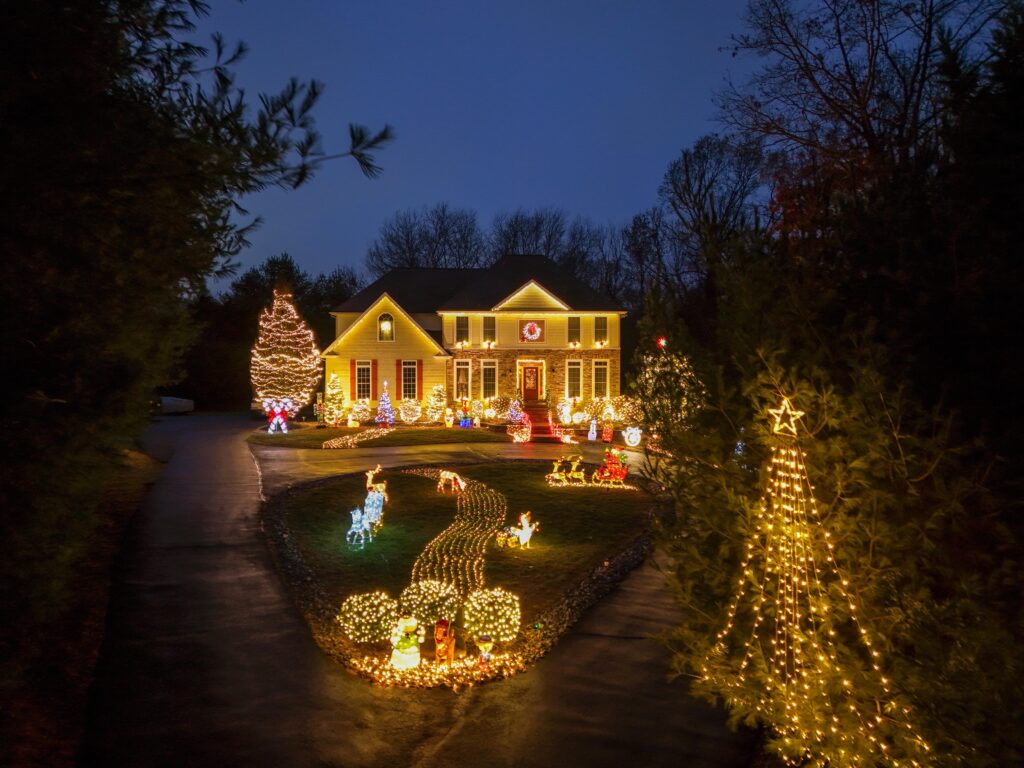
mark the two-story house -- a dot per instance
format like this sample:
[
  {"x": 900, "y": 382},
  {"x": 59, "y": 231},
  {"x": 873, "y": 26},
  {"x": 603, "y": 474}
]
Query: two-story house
[{"x": 522, "y": 325}]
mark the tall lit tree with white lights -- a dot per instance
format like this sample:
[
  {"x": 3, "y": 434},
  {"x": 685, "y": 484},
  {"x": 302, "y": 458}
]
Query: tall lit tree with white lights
[
  {"x": 793, "y": 651},
  {"x": 285, "y": 361}
]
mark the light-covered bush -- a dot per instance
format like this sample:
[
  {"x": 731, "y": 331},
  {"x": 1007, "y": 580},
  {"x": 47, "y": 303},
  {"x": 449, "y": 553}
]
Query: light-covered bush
[{"x": 368, "y": 617}]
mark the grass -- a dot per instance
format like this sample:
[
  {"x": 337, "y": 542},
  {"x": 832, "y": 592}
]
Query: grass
[
  {"x": 310, "y": 437},
  {"x": 579, "y": 529}
]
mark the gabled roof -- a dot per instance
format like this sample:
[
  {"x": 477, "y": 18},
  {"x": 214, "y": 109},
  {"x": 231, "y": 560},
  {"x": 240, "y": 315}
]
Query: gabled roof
[
  {"x": 510, "y": 273},
  {"x": 416, "y": 289},
  {"x": 426, "y": 289},
  {"x": 431, "y": 337},
  {"x": 540, "y": 295}
]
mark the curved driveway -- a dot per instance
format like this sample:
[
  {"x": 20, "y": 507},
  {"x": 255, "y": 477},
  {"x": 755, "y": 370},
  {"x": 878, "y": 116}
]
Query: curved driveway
[{"x": 207, "y": 663}]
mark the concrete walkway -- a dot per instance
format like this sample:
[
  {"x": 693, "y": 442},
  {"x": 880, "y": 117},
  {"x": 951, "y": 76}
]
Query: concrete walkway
[{"x": 207, "y": 663}]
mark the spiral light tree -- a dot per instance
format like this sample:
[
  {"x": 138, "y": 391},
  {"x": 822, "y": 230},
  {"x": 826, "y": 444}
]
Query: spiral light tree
[
  {"x": 285, "y": 361},
  {"x": 793, "y": 650}
]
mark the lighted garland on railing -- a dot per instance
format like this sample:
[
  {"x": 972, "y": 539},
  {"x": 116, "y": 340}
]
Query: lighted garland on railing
[
  {"x": 804, "y": 694},
  {"x": 351, "y": 441}
]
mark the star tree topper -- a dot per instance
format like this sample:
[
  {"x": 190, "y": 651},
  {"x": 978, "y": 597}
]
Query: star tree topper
[{"x": 785, "y": 418}]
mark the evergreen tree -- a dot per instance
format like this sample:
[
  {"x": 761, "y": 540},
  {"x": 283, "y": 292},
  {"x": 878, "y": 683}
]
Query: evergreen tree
[
  {"x": 334, "y": 400},
  {"x": 285, "y": 360},
  {"x": 437, "y": 403},
  {"x": 385, "y": 410}
]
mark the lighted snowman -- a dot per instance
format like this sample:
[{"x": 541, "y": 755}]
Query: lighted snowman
[{"x": 405, "y": 640}]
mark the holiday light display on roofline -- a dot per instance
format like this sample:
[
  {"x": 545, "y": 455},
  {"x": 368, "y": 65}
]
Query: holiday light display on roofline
[{"x": 784, "y": 601}]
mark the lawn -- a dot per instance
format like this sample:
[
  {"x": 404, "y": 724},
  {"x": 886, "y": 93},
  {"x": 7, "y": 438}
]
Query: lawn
[
  {"x": 310, "y": 437},
  {"x": 580, "y": 528}
]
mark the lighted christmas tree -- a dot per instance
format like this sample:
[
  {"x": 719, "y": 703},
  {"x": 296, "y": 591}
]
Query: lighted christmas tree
[
  {"x": 334, "y": 400},
  {"x": 793, "y": 651},
  {"x": 437, "y": 403},
  {"x": 385, "y": 410},
  {"x": 515, "y": 410},
  {"x": 285, "y": 361}
]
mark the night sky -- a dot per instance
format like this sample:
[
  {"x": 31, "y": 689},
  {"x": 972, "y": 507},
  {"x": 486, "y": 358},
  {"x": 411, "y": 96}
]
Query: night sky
[{"x": 496, "y": 106}]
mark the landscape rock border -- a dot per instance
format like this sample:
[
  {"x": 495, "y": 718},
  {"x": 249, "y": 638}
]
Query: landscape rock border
[{"x": 539, "y": 634}]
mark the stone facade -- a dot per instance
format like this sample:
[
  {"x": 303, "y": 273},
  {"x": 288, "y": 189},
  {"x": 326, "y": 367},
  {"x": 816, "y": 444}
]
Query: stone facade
[{"x": 554, "y": 362}]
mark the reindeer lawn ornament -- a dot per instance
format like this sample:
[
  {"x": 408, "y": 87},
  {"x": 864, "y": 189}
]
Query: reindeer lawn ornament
[
  {"x": 557, "y": 476},
  {"x": 453, "y": 481},
  {"x": 381, "y": 488},
  {"x": 360, "y": 529},
  {"x": 575, "y": 473},
  {"x": 518, "y": 537},
  {"x": 373, "y": 510}
]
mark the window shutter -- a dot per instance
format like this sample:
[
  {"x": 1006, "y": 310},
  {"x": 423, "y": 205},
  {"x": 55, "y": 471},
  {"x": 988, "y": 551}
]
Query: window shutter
[
  {"x": 373, "y": 379},
  {"x": 419, "y": 379},
  {"x": 399, "y": 383},
  {"x": 352, "y": 379}
]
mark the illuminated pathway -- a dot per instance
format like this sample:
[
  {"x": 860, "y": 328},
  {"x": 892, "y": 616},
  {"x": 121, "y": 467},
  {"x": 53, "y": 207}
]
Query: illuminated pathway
[
  {"x": 456, "y": 555},
  {"x": 208, "y": 663}
]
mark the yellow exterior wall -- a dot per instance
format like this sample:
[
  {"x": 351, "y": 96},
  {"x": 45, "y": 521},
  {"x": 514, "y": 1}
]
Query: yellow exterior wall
[
  {"x": 532, "y": 297},
  {"x": 556, "y": 329},
  {"x": 361, "y": 344}
]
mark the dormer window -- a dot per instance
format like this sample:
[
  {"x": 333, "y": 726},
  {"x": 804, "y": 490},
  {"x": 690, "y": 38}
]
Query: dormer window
[{"x": 385, "y": 328}]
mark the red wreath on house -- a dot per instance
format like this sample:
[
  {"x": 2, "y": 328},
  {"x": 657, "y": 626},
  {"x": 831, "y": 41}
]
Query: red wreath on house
[{"x": 532, "y": 331}]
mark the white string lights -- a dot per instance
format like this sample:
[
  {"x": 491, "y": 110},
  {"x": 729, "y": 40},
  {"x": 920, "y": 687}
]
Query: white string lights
[
  {"x": 285, "y": 362},
  {"x": 792, "y": 650}
]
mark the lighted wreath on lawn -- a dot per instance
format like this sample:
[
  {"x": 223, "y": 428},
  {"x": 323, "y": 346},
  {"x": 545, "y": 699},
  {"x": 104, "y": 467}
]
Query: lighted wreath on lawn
[{"x": 532, "y": 331}]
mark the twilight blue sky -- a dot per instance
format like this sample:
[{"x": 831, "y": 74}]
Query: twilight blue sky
[{"x": 578, "y": 105}]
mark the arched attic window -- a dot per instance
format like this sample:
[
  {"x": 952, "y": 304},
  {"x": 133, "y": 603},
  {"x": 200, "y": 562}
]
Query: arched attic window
[{"x": 385, "y": 328}]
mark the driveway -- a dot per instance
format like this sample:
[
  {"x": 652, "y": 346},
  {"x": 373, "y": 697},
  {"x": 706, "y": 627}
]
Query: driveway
[{"x": 207, "y": 663}]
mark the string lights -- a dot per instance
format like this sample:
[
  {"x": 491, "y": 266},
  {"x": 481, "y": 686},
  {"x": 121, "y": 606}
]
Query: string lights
[
  {"x": 799, "y": 606},
  {"x": 456, "y": 555},
  {"x": 493, "y": 612},
  {"x": 410, "y": 411},
  {"x": 437, "y": 402},
  {"x": 334, "y": 400},
  {"x": 285, "y": 362},
  {"x": 385, "y": 411},
  {"x": 430, "y": 600},
  {"x": 351, "y": 441},
  {"x": 367, "y": 617}
]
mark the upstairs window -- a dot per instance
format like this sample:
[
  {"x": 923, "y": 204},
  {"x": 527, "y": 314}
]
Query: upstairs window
[
  {"x": 489, "y": 328},
  {"x": 385, "y": 328},
  {"x": 462, "y": 329},
  {"x": 601, "y": 330},
  {"x": 574, "y": 330}
]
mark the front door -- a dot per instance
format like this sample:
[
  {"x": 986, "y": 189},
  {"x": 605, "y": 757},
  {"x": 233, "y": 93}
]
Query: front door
[{"x": 531, "y": 382}]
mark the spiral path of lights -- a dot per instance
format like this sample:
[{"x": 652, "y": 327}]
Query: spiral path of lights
[{"x": 456, "y": 555}]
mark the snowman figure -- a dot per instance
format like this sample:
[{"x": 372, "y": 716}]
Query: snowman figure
[{"x": 405, "y": 640}]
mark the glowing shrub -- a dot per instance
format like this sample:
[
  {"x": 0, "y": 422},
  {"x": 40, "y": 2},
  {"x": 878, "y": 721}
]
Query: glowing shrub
[
  {"x": 430, "y": 600},
  {"x": 368, "y": 617}
]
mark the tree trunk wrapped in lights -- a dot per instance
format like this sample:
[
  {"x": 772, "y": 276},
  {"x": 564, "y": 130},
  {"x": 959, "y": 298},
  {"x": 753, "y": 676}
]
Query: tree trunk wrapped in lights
[
  {"x": 793, "y": 651},
  {"x": 285, "y": 361}
]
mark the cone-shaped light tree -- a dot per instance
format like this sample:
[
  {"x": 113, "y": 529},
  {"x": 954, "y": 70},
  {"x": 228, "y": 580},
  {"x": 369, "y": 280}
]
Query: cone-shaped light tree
[
  {"x": 793, "y": 651},
  {"x": 334, "y": 400},
  {"x": 285, "y": 361},
  {"x": 385, "y": 410}
]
